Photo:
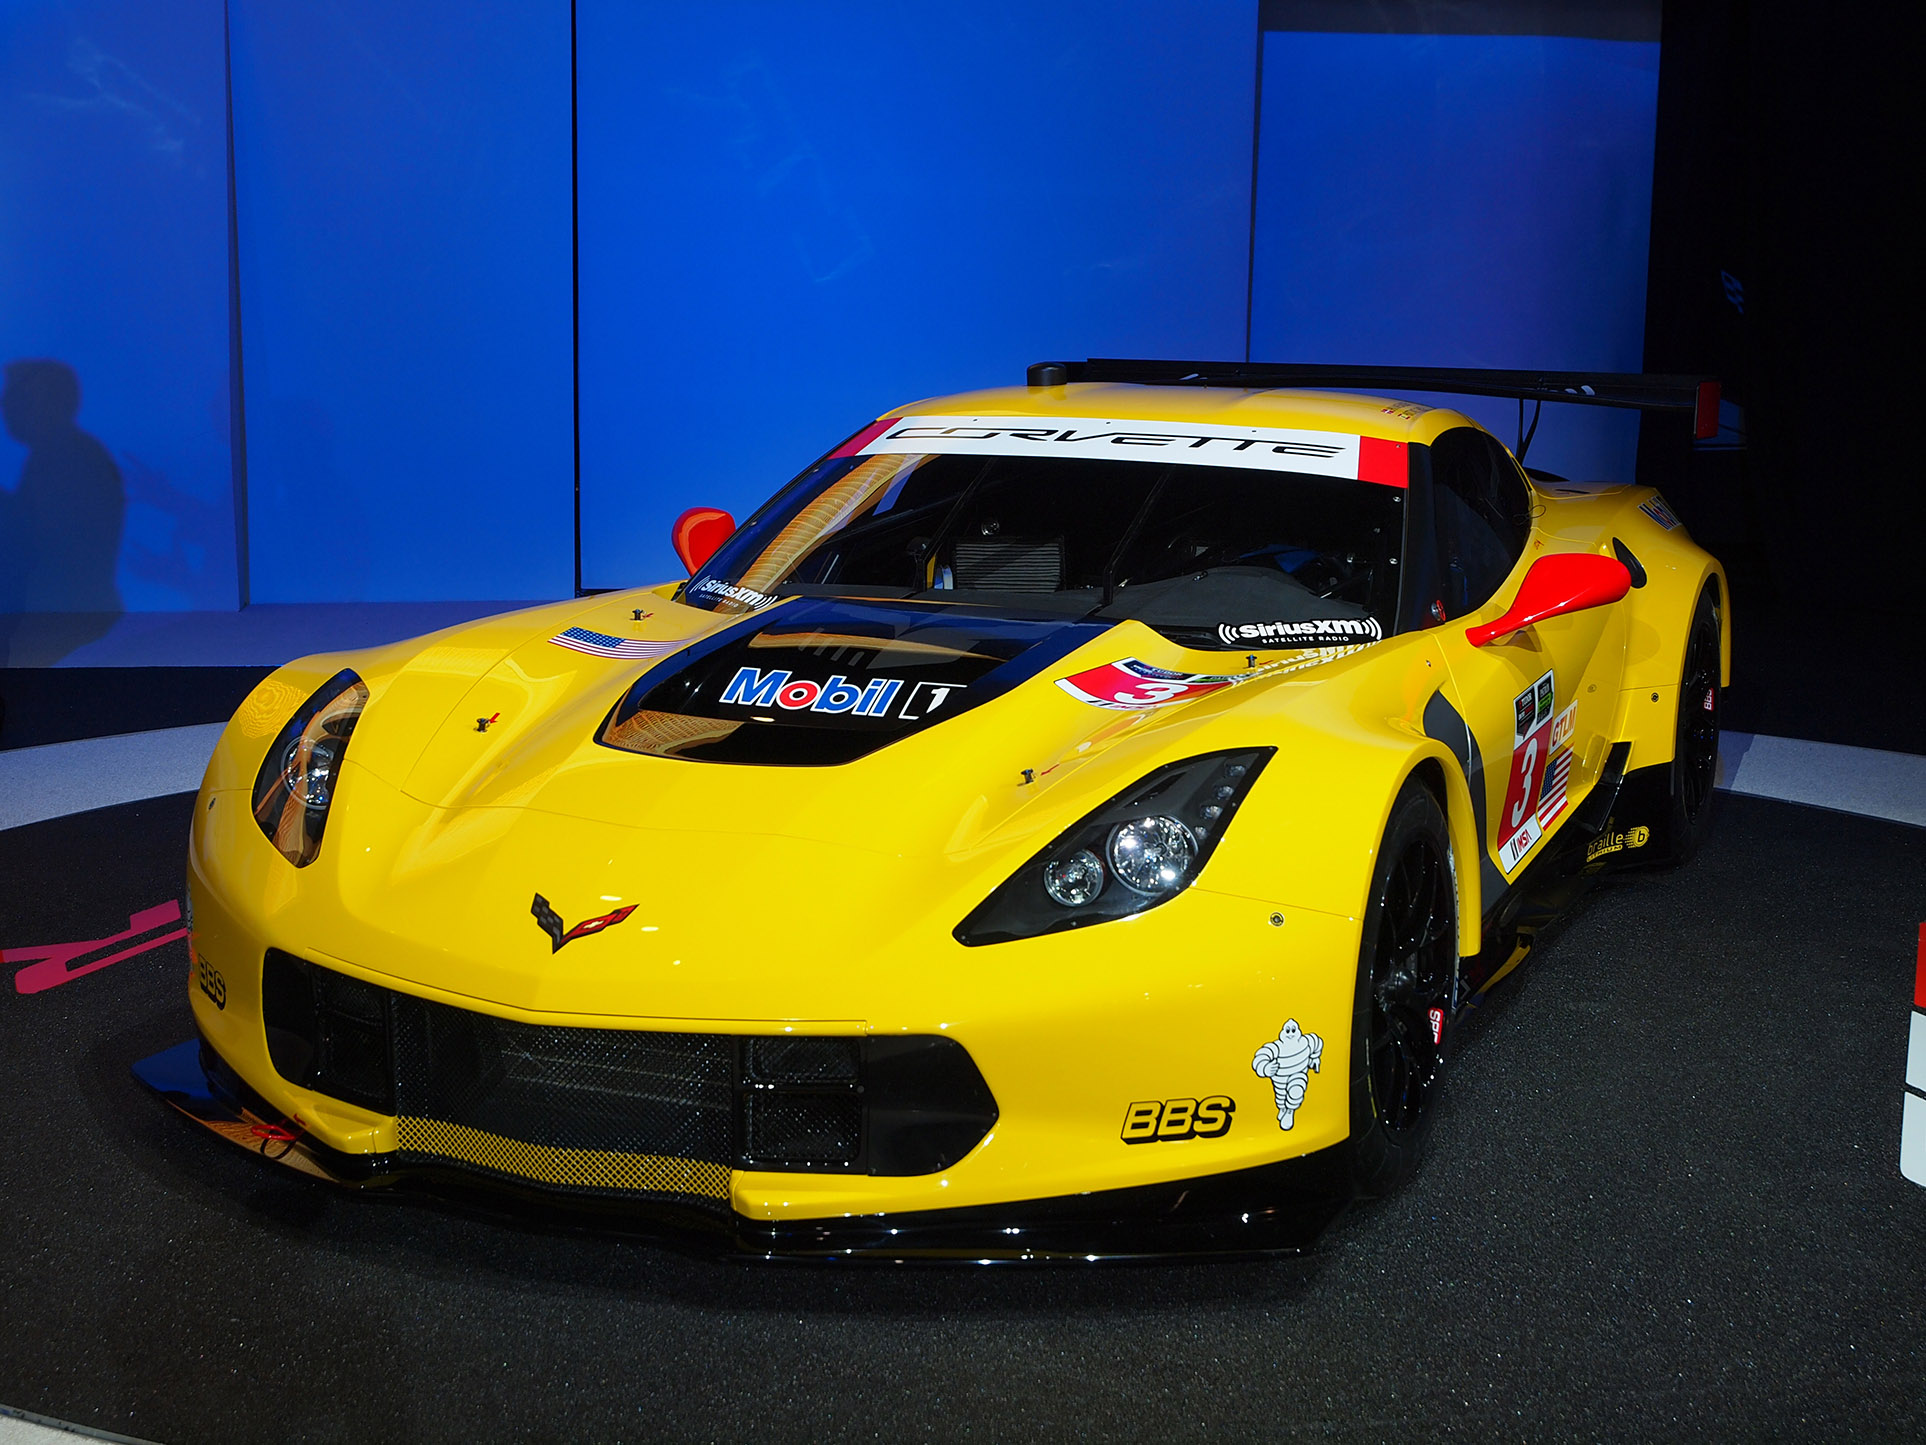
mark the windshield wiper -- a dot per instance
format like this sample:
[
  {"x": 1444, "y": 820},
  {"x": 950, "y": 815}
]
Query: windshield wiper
[
  {"x": 934, "y": 546},
  {"x": 1129, "y": 536}
]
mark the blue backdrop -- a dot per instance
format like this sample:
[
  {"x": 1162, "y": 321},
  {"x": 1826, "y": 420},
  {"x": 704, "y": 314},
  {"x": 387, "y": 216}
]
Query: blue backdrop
[
  {"x": 795, "y": 216},
  {"x": 402, "y": 180},
  {"x": 1461, "y": 200},
  {"x": 789, "y": 218},
  {"x": 114, "y": 280}
]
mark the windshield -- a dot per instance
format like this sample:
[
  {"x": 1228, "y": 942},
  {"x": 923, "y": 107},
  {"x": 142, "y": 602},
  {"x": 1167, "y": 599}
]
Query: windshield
[{"x": 1212, "y": 556}]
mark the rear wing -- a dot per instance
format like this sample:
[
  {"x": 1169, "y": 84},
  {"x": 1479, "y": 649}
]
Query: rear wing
[{"x": 1696, "y": 395}]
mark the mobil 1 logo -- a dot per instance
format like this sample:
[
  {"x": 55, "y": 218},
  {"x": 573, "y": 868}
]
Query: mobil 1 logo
[{"x": 779, "y": 691}]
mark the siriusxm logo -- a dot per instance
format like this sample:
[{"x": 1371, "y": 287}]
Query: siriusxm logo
[
  {"x": 780, "y": 688},
  {"x": 1323, "y": 632}
]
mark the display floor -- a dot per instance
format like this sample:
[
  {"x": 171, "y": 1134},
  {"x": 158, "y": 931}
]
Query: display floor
[{"x": 1663, "y": 1200}]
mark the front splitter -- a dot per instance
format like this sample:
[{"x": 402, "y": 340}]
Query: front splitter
[{"x": 1273, "y": 1209}]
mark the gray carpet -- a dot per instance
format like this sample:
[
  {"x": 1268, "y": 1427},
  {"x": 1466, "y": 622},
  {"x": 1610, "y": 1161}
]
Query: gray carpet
[{"x": 1663, "y": 1202}]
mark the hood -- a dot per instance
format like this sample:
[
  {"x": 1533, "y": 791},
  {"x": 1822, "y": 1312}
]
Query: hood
[
  {"x": 752, "y": 879},
  {"x": 825, "y": 681},
  {"x": 895, "y": 728}
]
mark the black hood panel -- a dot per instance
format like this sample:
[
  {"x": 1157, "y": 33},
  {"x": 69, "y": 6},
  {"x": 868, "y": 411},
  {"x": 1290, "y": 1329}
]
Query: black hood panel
[{"x": 822, "y": 681}]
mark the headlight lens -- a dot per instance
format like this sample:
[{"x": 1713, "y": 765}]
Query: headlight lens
[
  {"x": 1152, "y": 855},
  {"x": 1073, "y": 881},
  {"x": 295, "y": 787},
  {"x": 1153, "y": 839}
]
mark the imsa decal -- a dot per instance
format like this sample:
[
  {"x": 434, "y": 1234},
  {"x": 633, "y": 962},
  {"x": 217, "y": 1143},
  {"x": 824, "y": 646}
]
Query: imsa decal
[{"x": 1160, "y": 1121}]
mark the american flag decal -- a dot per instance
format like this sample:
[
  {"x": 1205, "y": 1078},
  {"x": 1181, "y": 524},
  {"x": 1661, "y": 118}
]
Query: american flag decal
[
  {"x": 1552, "y": 800},
  {"x": 600, "y": 644}
]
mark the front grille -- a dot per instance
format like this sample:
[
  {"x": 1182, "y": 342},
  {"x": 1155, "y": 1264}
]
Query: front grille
[
  {"x": 620, "y": 1111},
  {"x": 569, "y": 1088},
  {"x": 592, "y": 1109}
]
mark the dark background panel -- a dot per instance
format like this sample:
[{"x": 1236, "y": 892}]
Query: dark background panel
[
  {"x": 40, "y": 705},
  {"x": 795, "y": 217},
  {"x": 1779, "y": 258},
  {"x": 1662, "y": 1202}
]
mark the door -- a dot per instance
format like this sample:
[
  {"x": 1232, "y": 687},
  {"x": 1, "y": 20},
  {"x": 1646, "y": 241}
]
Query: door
[{"x": 1540, "y": 703}]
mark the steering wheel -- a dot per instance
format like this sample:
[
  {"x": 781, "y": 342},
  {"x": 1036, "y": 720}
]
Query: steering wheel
[{"x": 1332, "y": 577}]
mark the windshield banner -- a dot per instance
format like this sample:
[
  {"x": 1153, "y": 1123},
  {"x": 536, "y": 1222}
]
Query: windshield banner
[{"x": 1270, "y": 449}]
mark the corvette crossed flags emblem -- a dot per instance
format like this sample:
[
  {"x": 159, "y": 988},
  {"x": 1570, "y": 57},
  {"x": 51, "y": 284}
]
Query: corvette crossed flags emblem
[{"x": 558, "y": 935}]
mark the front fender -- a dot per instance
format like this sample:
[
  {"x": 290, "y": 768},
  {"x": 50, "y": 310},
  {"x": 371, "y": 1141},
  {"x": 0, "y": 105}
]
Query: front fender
[{"x": 1309, "y": 834}]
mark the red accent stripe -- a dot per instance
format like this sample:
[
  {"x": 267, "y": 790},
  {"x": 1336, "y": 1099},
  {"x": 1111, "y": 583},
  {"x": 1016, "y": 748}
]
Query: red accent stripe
[
  {"x": 1705, "y": 415},
  {"x": 52, "y": 972},
  {"x": 1919, "y": 975},
  {"x": 864, "y": 437},
  {"x": 1383, "y": 462}
]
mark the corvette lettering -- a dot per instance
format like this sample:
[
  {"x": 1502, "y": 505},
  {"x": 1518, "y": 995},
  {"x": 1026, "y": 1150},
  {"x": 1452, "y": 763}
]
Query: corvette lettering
[
  {"x": 1073, "y": 436},
  {"x": 1320, "y": 632},
  {"x": 1280, "y": 449},
  {"x": 551, "y": 923},
  {"x": 1129, "y": 685}
]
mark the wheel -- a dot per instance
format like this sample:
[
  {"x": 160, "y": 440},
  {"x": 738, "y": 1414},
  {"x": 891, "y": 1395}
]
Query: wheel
[
  {"x": 1407, "y": 962},
  {"x": 1695, "y": 755}
]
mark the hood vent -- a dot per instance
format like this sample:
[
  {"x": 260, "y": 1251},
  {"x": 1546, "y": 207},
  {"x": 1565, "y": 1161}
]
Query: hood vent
[{"x": 823, "y": 681}]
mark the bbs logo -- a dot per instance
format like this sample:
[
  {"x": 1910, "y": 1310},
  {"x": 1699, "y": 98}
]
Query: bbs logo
[
  {"x": 1159, "y": 1121},
  {"x": 210, "y": 980}
]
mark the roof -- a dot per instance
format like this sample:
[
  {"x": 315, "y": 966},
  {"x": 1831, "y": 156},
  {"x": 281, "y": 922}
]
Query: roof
[{"x": 1374, "y": 416}]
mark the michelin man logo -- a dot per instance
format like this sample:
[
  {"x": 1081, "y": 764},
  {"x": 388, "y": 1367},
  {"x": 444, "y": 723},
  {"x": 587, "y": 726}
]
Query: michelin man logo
[{"x": 1288, "y": 1061}]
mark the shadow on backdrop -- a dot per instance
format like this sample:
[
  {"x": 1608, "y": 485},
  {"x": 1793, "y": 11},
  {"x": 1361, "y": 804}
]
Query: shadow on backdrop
[{"x": 60, "y": 522}]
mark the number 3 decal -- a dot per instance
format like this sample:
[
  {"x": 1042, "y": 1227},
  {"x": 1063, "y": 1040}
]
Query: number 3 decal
[{"x": 1524, "y": 785}]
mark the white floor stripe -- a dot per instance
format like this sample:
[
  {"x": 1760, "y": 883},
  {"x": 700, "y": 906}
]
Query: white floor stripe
[
  {"x": 1912, "y": 1140},
  {"x": 1866, "y": 781},
  {"x": 62, "y": 778},
  {"x": 23, "y": 1427}
]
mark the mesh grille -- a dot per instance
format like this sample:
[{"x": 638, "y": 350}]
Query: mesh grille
[
  {"x": 1010, "y": 566},
  {"x": 585, "y": 1109},
  {"x": 586, "y": 1169},
  {"x": 804, "y": 1128}
]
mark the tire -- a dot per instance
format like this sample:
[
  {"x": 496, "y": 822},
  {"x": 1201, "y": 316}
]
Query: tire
[
  {"x": 1695, "y": 754},
  {"x": 1407, "y": 964}
]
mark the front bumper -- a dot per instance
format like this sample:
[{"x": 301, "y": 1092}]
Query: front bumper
[{"x": 1277, "y": 1208}]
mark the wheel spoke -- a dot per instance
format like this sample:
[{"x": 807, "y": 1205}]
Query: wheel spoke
[{"x": 1415, "y": 943}]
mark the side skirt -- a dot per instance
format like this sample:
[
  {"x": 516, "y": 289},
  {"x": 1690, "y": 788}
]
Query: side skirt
[{"x": 1554, "y": 881}]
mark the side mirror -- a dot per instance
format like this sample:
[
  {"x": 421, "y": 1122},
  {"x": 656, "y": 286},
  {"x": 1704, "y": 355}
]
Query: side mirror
[
  {"x": 1563, "y": 582},
  {"x": 698, "y": 532}
]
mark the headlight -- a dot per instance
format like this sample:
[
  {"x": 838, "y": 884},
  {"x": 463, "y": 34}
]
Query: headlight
[
  {"x": 295, "y": 787},
  {"x": 1142, "y": 848}
]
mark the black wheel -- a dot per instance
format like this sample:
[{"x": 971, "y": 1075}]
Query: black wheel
[
  {"x": 1406, "y": 965},
  {"x": 1695, "y": 757}
]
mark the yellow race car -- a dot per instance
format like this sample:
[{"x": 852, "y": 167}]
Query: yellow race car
[{"x": 1069, "y": 819}]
